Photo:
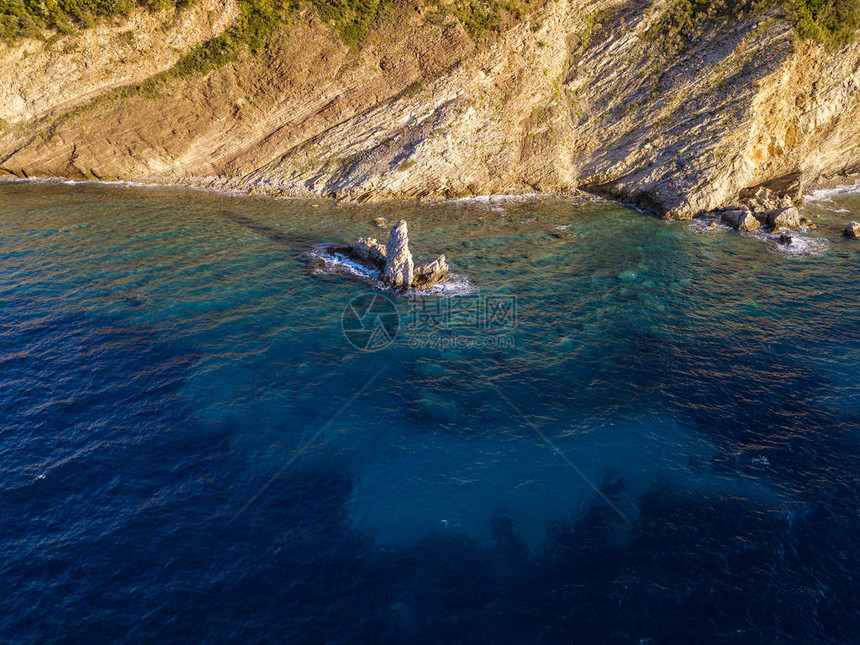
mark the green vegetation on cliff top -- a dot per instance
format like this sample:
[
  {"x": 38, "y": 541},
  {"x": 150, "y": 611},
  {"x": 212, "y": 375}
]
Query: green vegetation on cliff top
[
  {"x": 257, "y": 19},
  {"x": 32, "y": 17},
  {"x": 829, "y": 21},
  {"x": 353, "y": 19},
  {"x": 832, "y": 22}
]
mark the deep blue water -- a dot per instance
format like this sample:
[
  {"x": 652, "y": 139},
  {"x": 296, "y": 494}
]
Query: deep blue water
[{"x": 192, "y": 451}]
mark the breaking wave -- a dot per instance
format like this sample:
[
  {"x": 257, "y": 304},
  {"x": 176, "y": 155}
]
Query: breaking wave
[
  {"x": 826, "y": 195},
  {"x": 707, "y": 224},
  {"x": 801, "y": 245},
  {"x": 332, "y": 262}
]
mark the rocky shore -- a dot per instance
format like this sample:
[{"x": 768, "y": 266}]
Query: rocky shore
[
  {"x": 575, "y": 96},
  {"x": 774, "y": 206}
]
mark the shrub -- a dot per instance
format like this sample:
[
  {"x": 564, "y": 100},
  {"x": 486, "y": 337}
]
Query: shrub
[
  {"x": 32, "y": 17},
  {"x": 257, "y": 20},
  {"x": 830, "y": 21},
  {"x": 352, "y": 18}
]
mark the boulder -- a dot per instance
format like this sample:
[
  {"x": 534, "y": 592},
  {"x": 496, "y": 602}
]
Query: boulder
[
  {"x": 785, "y": 238},
  {"x": 781, "y": 192},
  {"x": 381, "y": 222},
  {"x": 430, "y": 271},
  {"x": 740, "y": 218},
  {"x": 399, "y": 268},
  {"x": 852, "y": 230},
  {"x": 753, "y": 205},
  {"x": 369, "y": 250},
  {"x": 784, "y": 218},
  {"x": 763, "y": 193}
]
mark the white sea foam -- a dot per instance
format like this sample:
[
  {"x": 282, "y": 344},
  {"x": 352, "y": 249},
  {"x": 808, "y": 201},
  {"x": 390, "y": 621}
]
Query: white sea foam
[
  {"x": 333, "y": 262},
  {"x": 826, "y": 195},
  {"x": 703, "y": 225},
  {"x": 492, "y": 199},
  {"x": 95, "y": 182},
  {"x": 801, "y": 245}
]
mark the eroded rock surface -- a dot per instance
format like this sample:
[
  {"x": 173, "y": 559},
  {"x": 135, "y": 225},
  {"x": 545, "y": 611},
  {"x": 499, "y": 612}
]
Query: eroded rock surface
[
  {"x": 430, "y": 271},
  {"x": 553, "y": 102},
  {"x": 740, "y": 218},
  {"x": 367, "y": 249},
  {"x": 394, "y": 260},
  {"x": 399, "y": 269},
  {"x": 784, "y": 218}
]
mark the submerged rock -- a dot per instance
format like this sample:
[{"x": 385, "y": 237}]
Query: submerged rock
[
  {"x": 740, "y": 218},
  {"x": 852, "y": 230},
  {"x": 399, "y": 269}
]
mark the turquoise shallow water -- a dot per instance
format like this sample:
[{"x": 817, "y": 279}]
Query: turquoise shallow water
[{"x": 661, "y": 443}]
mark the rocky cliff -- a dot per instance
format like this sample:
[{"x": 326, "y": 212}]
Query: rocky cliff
[{"x": 576, "y": 94}]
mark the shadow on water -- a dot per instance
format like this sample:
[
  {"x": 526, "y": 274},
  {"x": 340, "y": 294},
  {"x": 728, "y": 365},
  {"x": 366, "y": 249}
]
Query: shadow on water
[
  {"x": 697, "y": 567},
  {"x": 291, "y": 241}
]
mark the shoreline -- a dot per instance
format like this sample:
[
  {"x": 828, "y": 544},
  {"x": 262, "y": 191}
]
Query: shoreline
[
  {"x": 814, "y": 191},
  {"x": 580, "y": 196}
]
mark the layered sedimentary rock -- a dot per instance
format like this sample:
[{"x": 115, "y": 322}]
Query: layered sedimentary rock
[
  {"x": 399, "y": 268},
  {"x": 579, "y": 94},
  {"x": 369, "y": 250}
]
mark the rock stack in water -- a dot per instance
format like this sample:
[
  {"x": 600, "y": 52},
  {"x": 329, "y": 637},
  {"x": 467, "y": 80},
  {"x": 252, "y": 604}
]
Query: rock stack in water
[
  {"x": 395, "y": 263},
  {"x": 399, "y": 269}
]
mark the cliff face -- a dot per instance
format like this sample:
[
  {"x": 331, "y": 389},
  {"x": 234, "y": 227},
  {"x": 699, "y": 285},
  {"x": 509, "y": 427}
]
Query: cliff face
[{"x": 560, "y": 101}]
